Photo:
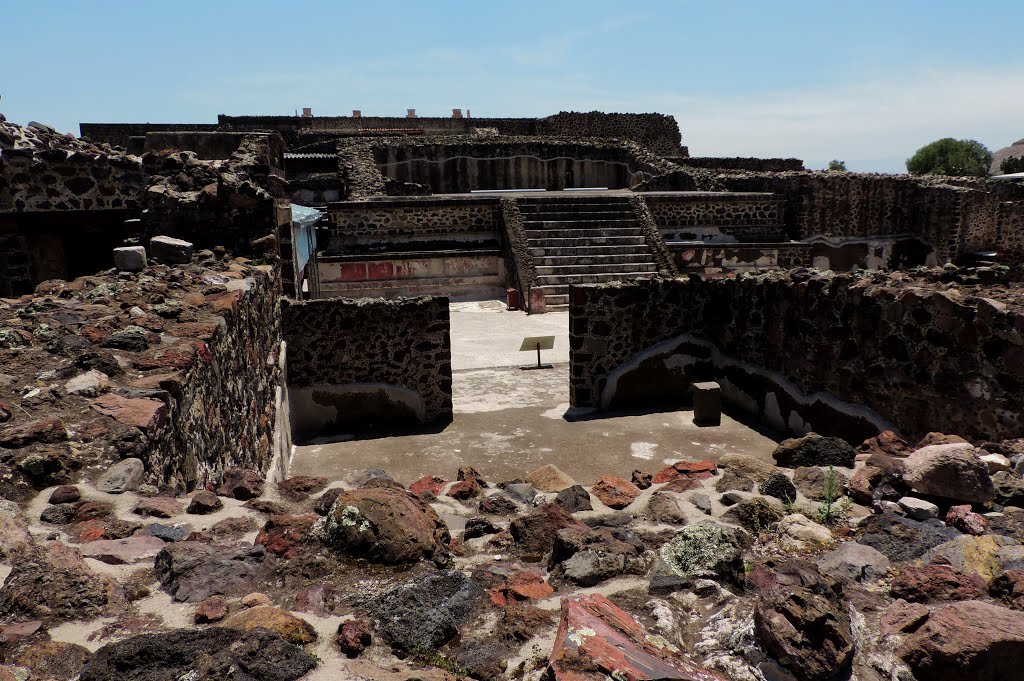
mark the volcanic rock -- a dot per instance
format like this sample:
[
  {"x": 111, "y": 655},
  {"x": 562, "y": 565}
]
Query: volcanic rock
[
  {"x": 814, "y": 450},
  {"x": 953, "y": 471},
  {"x": 200, "y": 655},
  {"x": 386, "y": 525},
  {"x": 967, "y": 641}
]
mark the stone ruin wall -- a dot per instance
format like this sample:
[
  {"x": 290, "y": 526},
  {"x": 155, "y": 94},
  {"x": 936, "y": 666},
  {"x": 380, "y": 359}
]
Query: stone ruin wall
[
  {"x": 178, "y": 364},
  {"x": 239, "y": 203},
  {"x": 744, "y": 216},
  {"x": 728, "y": 163},
  {"x": 44, "y": 170},
  {"x": 360, "y": 160},
  {"x": 953, "y": 215},
  {"x": 829, "y": 352},
  {"x": 386, "y": 362},
  {"x": 412, "y": 218}
]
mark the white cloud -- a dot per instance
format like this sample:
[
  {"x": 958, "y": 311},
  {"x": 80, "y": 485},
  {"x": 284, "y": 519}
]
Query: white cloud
[{"x": 872, "y": 124}]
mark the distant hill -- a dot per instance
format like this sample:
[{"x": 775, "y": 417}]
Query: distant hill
[{"x": 1015, "y": 149}]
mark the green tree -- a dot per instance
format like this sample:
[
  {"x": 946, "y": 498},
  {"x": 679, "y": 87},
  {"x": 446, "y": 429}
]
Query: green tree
[
  {"x": 836, "y": 164},
  {"x": 948, "y": 156},
  {"x": 1013, "y": 164}
]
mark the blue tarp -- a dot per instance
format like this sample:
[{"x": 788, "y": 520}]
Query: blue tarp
[{"x": 304, "y": 221}]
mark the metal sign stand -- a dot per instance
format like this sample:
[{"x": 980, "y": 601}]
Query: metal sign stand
[{"x": 537, "y": 343}]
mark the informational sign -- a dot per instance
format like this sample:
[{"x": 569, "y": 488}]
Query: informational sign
[{"x": 537, "y": 343}]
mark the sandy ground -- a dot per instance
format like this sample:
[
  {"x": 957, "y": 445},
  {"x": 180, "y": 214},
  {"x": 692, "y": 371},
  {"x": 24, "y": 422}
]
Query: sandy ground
[{"x": 509, "y": 421}]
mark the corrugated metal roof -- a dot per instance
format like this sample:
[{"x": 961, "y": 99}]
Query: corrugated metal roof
[{"x": 291, "y": 155}]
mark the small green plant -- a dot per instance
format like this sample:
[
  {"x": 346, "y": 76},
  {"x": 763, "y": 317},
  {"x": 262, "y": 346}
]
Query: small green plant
[
  {"x": 833, "y": 509},
  {"x": 836, "y": 164},
  {"x": 789, "y": 506}
]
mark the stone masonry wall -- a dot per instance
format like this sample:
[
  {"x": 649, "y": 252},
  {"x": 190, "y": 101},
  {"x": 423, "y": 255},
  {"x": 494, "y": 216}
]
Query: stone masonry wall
[
  {"x": 745, "y": 216},
  {"x": 171, "y": 365},
  {"x": 367, "y": 363},
  {"x": 412, "y": 218},
  {"x": 833, "y": 353},
  {"x": 41, "y": 169},
  {"x": 954, "y": 215},
  {"x": 772, "y": 165}
]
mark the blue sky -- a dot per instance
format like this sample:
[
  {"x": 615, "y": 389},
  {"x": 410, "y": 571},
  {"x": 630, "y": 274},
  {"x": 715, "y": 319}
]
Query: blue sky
[{"x": 868, "y": 82}]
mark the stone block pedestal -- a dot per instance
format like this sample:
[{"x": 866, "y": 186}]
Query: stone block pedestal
[{"x": 707, "y": 404}]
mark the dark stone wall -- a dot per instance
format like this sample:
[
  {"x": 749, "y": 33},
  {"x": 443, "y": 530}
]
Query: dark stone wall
[
  {"x": 225, "y": 412},
  {"x": 833, "y": 353},
  {"x": 119, "y": 133},
  {"x": 367, "y": 364},
  {"x": 744, "y": 216},
  {"x": 772, "y": 165},
  {"x": 657, "y": 132},
  {"x": 954, "y": 215}
]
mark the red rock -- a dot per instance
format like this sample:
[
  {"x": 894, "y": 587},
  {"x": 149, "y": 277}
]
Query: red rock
[
  {"x": 11, "y": 633},
  {"x": 386, "y": 525},
  {"x": 936, "y": 582},
  {"x": 862, "y": 483},
  {"x": 498, "y": 504},
  {"x": 201, "y": 330},
  {"x": 681, "y": 484},
  {"x": 145, "y": 414},
  {"x": 691, "y": 469},
  {"x": 465, "y": 489},
  {"x": 967, "y": 641},
  {"x": 90, "y": 510},
  {"x": 212, "y": 609},
  {"x": 203, "y": 502},
  {"x": 65, "y": 494},
  {"x": 962, "y": 518},
  {"x": 299, "y": 487},
  {"x": 641, "y": 479},
  {"x": 240, "y": 483},
  {"x": 470, "y": 473},
  {"x": 535, "y": 532},
  {"x": 939, "y": 439},
  {"x": 158, "y": 507},
  {"x": 903, "y": 618},
  {"x": 886, "y": 442},
  {"x": 428, "y": 483},
  {"x": 283, "y": 534},
  {"x": 5, "y": 412},
  {"x": 223, "y": 301},
  {"x": 123, "y": 551},
  {"x": 522, "y": 586},
  {"x": 1008, "y": 588},
  {"x": 353, "y": 637},
  {"x": 181, "y": 356},
  {"x": 48, "y": 431},
  {"x": 614, "y": 492},
  {"x": 597, "y": 640}
]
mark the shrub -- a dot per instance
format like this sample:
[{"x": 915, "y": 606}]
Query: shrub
[{"x": 947, "y": 156}]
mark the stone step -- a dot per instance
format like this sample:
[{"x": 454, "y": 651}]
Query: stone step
[
  {"x": 594, "y": 268},
  {"x": 594, "y": 241},
  {"x": 585, "y": 257},
  {"x": 558, "y": 280},
  {"x": 559, "y": 299},
  {"x": 592, "y": 203},
  {"x": 543, "y": 250},
  {"x": 545, "y": 234},
  {"x": 577, "y": 224},
  {"x": 578, "y": 215}
]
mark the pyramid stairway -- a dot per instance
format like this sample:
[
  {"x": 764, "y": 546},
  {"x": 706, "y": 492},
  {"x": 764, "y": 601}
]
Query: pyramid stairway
[{"x": 584, "y": 240}]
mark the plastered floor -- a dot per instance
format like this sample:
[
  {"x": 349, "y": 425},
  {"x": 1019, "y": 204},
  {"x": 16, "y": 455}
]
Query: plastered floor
[{"x": 509, "y": 421}]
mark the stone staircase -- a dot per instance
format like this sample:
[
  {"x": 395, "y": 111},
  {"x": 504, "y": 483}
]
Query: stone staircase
[{"x": 584, "y": 240}]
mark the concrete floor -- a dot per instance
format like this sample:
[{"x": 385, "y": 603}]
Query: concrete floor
[{"x": 509, "y": 422}]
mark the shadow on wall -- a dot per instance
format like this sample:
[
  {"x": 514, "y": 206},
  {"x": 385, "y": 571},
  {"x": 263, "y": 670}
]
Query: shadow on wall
[
  {"x": 661, "y": 377},
  {"x": 346, "y": 410}
]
